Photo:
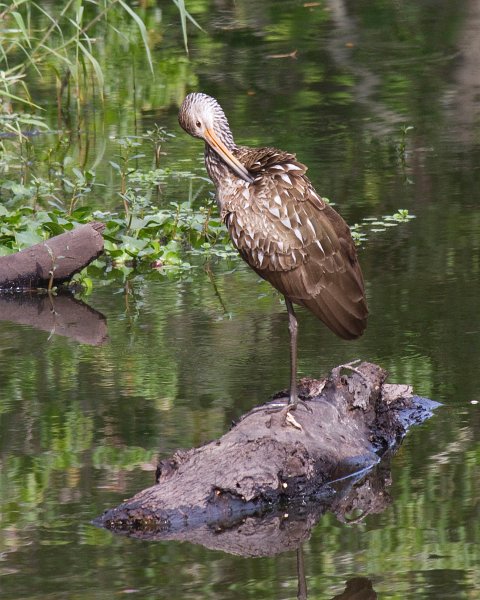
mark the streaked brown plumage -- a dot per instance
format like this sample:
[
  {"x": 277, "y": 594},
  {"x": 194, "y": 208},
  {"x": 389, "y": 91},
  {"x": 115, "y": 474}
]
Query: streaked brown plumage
[{"x": 281, "y": 227}]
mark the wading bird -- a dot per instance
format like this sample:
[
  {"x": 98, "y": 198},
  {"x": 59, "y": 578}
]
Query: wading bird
[{"x": 281, "y": 227}]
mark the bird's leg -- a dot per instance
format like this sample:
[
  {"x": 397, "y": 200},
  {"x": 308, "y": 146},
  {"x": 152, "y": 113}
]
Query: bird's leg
[
  {"x": 293, "y": 400},
  {"x": 293, "y": 329}
]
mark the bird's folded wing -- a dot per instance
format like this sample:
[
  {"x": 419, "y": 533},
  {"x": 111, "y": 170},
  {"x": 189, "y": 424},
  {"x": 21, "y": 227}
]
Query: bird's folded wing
[{"x": 297, "y": 242}]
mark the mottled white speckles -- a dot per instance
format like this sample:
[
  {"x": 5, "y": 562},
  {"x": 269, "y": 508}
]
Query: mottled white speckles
[
  {"x": 298, "y": 233},
  {"x": 286, "y": 221},
  {"x": 274, "y": 210},
  {"x": 291, "y": 167},
  {"x": 280, "y": 246},
  {"x": 277, "y": 200},
  {"x": 296, "y": 219},
  {"x": 260, "y": 256},
  {"x": 278, "y": 167},
  {"x": 312, "y": 228},
  {"x": 286, "y": 178},
  {"x": 246, "y": 193},
  {"x": 248, "y": 242},
  {"x": 320, "y": 246}
]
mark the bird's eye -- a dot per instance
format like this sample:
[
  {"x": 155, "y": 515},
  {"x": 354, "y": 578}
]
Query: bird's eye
[{"x": 198, "y": 124}]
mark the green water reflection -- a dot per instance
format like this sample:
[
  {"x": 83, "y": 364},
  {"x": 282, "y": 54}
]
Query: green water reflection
[{"x": 81, "y": 426}]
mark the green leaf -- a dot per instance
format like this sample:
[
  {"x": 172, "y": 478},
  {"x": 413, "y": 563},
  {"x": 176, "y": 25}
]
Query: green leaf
[
  {"x": 21, "y": 25},
  {"x": 27, "y": 238},
  {"x": 54, "y": 228},
  {"x": 133, "y": 244},
  {"x": 109, "y": 245},
  {"x": 76, "y": 171},
  {"x": 87, "y": 285},
  {"x": 81, "y": 212}
]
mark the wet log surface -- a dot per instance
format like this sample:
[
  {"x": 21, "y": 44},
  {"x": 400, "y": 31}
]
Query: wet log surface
[
  {"x": 54, "y": 261},
  {"x": 260, "y": 488}
]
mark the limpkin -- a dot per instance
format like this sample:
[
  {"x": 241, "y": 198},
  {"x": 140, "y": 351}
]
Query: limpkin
[{"x": 281, "y": 227}]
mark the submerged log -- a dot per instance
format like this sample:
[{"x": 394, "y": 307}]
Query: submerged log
[
  {"x": 261, "y": 466},
  {"x": 54, "y": 261}
]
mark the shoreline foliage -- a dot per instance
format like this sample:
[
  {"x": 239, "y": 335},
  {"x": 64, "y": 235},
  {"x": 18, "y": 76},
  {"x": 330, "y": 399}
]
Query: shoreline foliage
[{"x": 48, "y": 186}]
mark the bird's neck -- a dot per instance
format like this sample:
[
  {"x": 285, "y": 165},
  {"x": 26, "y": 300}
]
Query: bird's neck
[{"x": 216, "y": 168}]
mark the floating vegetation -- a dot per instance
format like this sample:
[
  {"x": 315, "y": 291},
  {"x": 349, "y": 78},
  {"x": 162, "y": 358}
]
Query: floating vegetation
[{"x": 368, "y": 225}]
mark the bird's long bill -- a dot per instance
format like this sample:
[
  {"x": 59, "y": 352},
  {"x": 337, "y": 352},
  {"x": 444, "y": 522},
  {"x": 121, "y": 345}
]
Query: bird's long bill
[{"x": 227, "y": 156}]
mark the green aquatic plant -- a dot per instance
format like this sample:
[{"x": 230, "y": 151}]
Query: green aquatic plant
[
  {"x": 363, "y": 230},
  {"x": 51, "y": 193},
  {"x": 148, "y": 236},
  {"x": 157, "y": 137}
]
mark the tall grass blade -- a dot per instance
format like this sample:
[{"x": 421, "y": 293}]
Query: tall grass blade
[
  {"x": 189, "y": 16},
  {"x": 143, "y": 31},
  {"x": 19, "y": 99},
  {"x": 180, "y": 4},
  {"x": 55, "y": 25},
  {"x": 96, "y": 67},
  {"x": 63, "y": 59},
  {"x": 21, "y": 25}
]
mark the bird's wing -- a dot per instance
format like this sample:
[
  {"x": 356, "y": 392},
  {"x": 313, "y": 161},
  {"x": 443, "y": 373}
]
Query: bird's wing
[{"x": 292, "y": 238}]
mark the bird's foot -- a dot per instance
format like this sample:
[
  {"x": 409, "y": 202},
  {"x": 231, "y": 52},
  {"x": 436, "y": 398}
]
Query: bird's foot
[
  {"x": 293, "y": 404},
  {"x": 286, "y": 416},
  {"x": 336, "y": 371}
]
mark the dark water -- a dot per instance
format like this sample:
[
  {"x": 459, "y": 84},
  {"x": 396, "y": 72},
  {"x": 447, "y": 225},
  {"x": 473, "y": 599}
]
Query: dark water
[{"x": 81, "y": 426}]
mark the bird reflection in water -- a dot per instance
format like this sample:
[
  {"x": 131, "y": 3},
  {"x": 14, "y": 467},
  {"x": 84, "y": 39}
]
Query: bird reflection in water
[{"x": 357, "y": 588}]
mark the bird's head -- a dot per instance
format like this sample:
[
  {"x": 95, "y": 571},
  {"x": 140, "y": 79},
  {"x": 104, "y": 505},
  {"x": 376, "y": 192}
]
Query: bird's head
[{"x": 202, "y": 116}]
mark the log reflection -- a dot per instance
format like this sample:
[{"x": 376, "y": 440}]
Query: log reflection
[
  {"x": 358, "y": 588},
  {"x": 277, "y": 530},
  {"x": 59, "y": 315}
]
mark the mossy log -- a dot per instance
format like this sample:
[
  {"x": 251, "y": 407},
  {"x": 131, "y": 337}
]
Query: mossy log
[
  {"x": 264, "y": 467},
  {"x": 54, "y": 261}
]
